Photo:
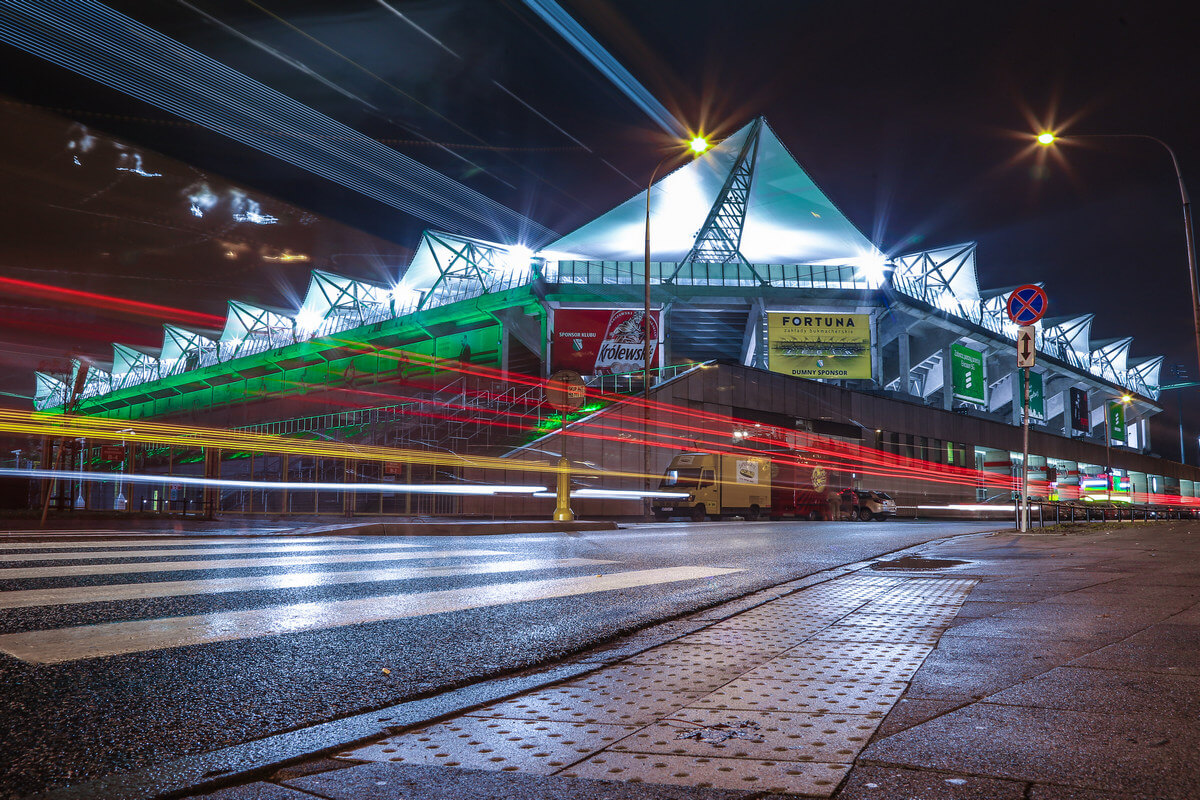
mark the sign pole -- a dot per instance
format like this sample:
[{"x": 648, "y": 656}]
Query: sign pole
[
  {"x": 1025, "y": 459},
  {"x": 1025, "y": 306},
  {"x": 565, "y": 391}
]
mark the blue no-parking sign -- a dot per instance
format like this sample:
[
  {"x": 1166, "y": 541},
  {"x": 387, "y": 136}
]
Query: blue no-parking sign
[{"x": 1027, "y": 304}]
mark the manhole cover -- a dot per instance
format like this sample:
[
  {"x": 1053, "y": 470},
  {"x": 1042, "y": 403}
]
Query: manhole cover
[{"x": 916, "y": 562}]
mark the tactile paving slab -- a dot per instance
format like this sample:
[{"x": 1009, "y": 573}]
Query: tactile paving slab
[
  {"x": 584, "y": 704},
  {"x": 701, "y": 655},
  {"x": 778, "y": 736},
  {"x": 780, "y": 698},
  {"x": 788, "y": 777},
  {"x": 540, "y": 747},
  {"x": 847, "y": 697},
  {"x": 658, "y": 678}
]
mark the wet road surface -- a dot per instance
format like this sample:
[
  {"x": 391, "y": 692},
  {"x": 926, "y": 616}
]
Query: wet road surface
[{"x": 122, "y": 653}]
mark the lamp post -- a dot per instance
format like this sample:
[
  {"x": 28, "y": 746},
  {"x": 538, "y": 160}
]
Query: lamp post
[
  {"x": 1048, "y": 138},
  {"x": 696, "y": 146}
]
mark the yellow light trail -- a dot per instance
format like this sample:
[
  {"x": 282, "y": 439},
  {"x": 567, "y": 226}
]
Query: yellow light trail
[{"x": 34, "y": 423}]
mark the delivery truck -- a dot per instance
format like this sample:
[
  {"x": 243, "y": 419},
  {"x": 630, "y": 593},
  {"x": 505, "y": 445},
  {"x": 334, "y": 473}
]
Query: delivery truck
[
  {"x": 717, "y": 485},
  {"x": 801, "y": 490}
]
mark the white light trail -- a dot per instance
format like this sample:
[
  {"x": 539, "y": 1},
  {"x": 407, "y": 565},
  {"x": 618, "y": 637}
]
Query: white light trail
[
  {"x": 183, "y": 480},
  {"x": 587, "y": 46},
  {"x": 99, "y": 43},
  {"x": 617, "y": 494}
]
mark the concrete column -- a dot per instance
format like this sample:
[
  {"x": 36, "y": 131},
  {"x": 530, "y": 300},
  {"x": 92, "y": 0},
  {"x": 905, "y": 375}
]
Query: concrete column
[
  {"x": 905, "y": 343},
  {"x": 947, "y": 380}
]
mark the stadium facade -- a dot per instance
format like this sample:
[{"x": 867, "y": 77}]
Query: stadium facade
[{"x": 768, "y": 308}]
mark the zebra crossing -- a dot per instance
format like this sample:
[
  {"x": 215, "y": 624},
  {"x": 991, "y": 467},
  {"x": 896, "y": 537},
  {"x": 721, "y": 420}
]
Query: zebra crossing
[{"x": 46, "y": 578}]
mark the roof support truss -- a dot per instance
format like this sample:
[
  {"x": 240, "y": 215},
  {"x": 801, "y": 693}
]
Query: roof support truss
[{"x": 720, "y": 238}]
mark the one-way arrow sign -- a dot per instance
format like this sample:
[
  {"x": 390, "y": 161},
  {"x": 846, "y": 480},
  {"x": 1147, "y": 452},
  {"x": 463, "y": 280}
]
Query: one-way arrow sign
[{"x": 1026, "y": 354}]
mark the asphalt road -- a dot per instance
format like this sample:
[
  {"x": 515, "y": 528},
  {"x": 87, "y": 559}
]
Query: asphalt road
[{"x": 68, "y": 715}]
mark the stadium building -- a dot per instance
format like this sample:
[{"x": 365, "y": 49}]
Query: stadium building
[{"x": 769, "y": 312}]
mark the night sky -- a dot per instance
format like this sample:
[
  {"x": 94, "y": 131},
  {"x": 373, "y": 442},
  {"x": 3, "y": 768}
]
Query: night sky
[{"x": 915, "y": 118}]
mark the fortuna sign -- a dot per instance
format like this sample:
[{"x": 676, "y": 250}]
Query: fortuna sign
[{"x": 1027, "y": 304}]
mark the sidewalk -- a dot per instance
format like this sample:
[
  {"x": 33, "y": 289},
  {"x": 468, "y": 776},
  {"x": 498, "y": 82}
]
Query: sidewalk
[{"x": 1048, "y": 666}]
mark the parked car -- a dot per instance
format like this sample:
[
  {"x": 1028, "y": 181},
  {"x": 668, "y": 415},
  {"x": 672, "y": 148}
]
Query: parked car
[{"x": 865, "y": 504}]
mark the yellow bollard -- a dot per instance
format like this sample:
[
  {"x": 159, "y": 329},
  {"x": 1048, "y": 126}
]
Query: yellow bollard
[{"x": 563, "y": 512}]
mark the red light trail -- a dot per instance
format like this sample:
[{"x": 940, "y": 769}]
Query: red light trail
[{"x": 104, "y": 302}]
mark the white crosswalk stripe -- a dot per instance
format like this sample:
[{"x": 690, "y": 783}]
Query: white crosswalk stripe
[
  {"x": 226, "y": 541},
  {"x": 231, "y": 563},
  {"x": 289, "y": 572},
  {"x": 31, "y": 598},
  {"x": 216, "y": 550}
]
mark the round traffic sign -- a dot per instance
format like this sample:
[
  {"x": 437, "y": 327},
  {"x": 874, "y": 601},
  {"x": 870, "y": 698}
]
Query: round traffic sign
[
  {"x": 565, "y": 390},
  {"x": 1027, "y": 304}
]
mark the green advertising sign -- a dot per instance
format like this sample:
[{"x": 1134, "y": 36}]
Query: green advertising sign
[
  {"x": 966, "y": 369},
  {"x": 1116, "y": 421},
  {"x": 1037, "y": 406}
]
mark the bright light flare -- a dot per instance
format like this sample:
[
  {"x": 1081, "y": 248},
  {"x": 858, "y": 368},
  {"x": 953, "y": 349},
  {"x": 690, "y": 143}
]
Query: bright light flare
[
  {"x": 308, "y": 320},
  {"x": 1046, "y": 138},
  {"x": 698, "y": 144}
]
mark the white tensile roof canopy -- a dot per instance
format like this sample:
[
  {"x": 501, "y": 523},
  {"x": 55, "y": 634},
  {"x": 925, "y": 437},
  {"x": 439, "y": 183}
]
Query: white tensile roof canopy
[{"x": 787, "y": 219}]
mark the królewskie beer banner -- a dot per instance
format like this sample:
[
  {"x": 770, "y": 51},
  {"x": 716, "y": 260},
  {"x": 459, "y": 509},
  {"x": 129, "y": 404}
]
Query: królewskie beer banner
[
  {"x": 819, "y": 345},
  {"x": 602, "y": 341}
]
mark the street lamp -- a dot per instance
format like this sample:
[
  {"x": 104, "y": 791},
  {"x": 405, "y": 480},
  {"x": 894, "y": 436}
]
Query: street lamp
[
  {"x": 1047, "y": 138},
  {"x": 696, "y": 146}
]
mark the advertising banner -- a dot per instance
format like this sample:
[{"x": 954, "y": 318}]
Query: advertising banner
[
  {"x": 1037, "y": 405},
  {"x": 819, "y": 345},
  {"x": 966, "y": 371},
  {"x": 1081, "y": 419},
  {"x": 594, "y": 341},
  {"x": 1116, "y": 421}
]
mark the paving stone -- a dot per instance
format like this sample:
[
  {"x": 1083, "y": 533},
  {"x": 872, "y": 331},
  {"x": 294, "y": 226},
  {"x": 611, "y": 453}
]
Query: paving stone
[
  {"x": 884, "y": 783},
  {"x": 847, "y": 697},
  {"x": 977, "y": 609},
  {"x": 539, "y": 747},
  {"x": 790, "y": 777},
  {"x": 910, "y": 711},
  {"x": 581, "y": 704},
  {"x": 417, "y": 782},
  {"x": 1166, "y": 648},
  {"x": 1046, "y": 792},
  {"x": 1115, "y": 753},
  {"x": 779, "y": 736},
  {"x": 1082, "y": 689}
]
